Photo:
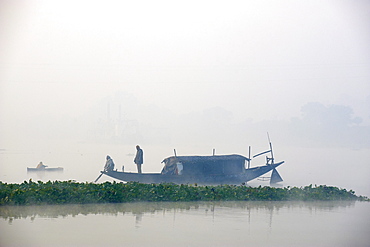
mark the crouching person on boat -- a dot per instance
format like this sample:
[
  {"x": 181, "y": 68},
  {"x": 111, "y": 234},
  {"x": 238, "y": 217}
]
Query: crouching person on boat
[
  {"x": 172, "y": 166},
  {"x": 109, "y": 164}
]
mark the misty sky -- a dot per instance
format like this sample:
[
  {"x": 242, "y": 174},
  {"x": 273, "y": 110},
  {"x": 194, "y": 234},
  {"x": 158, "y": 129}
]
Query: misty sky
[{"x": 214, "y": 70}]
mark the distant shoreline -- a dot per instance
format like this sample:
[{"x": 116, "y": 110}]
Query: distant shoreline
[{"x": 70, "y": 192}]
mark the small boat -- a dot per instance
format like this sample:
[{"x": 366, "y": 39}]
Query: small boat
[
  {"x": 44, "y": 169},
  {"x": 204, "y": 170}
]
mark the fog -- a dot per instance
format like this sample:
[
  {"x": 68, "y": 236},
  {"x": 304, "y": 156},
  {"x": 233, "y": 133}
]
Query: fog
[{"x": 80, "y": 80}]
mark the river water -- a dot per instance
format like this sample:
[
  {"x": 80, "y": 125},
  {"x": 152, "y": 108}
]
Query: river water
[{"x": 188, "y": 224}]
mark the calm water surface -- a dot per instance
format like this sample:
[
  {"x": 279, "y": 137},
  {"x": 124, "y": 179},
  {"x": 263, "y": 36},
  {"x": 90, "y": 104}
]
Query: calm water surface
[{"x": 188, "y": 224}]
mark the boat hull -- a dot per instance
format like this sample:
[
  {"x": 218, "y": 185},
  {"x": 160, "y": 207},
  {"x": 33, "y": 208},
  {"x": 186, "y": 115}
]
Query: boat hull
[
  {"x": 56, "y": 169},
  {"x": 247, "y": 175}
]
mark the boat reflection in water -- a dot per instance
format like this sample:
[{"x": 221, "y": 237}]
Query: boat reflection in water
[
  {"x": 11, "y": 213},
  {"x": 188, "y": 224}
]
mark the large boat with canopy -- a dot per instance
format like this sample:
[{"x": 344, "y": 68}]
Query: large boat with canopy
[{"x": 204, "y": 170}]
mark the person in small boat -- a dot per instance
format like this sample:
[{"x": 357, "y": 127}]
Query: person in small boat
[
  {"x": 41, "y": 165},
  {"x": 109, "y": 164},
  {"x": 139, "y": 160}
]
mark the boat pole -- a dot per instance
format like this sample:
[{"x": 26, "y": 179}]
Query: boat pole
[
  {"x": 272, "y": 154},
  {"x": 249, "y": 156},
  {"x": 96, "y": 180}
]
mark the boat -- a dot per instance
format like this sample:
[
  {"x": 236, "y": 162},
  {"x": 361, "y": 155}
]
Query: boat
[
  {"x": 204, "y": 170},
  {"x": 44, "y": 169}
]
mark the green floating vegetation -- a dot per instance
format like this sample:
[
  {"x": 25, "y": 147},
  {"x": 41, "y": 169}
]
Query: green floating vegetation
[{"x": 70, "y": 192}]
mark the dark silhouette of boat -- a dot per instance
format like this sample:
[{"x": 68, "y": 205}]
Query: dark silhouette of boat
[{"x": 214, "y": 169}]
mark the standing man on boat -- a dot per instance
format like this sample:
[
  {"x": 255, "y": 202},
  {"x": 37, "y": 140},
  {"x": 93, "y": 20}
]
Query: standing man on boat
[
  {"x": 109, "y": 164},
  {"x": 139, "y": 158}
]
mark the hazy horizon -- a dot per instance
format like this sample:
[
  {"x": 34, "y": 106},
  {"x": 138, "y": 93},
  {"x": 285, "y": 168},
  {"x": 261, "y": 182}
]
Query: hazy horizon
[{"x": 192, "y": 76}]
